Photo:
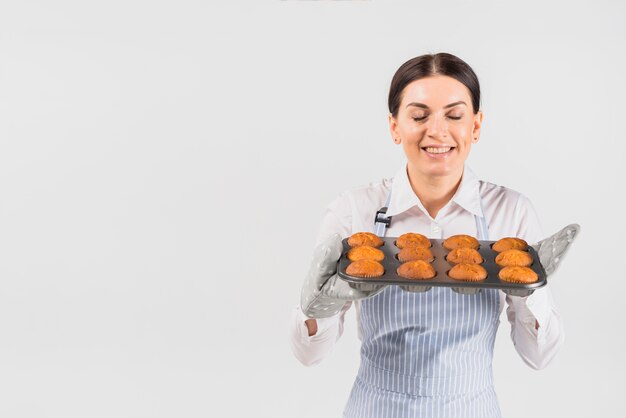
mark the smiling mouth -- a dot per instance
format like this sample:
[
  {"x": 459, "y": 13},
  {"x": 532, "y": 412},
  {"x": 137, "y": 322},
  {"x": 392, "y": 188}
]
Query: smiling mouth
[{"x": 437, "y": 150}]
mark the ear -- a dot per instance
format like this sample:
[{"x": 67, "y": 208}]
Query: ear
[
  {"x": 478, "y": 121},
  {"x": 393, "y": 128}
]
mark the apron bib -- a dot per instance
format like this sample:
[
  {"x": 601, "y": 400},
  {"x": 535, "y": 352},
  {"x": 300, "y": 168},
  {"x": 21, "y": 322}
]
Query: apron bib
[{"x": 426, "y": 354}]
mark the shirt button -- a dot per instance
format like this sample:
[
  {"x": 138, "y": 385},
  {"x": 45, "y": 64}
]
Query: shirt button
[{"x": 435, "y": 229}]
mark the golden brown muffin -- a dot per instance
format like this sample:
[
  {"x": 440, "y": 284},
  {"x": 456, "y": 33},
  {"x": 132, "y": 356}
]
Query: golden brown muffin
[
  {"x": 412, "y": 239},
  {"x": 365, "y": 238},
  {"x": 509, "y": 243},
  {"x": 365, "y": 252},
  {"x": 417, "y": 269},
  {"x": 514, "y": 258},
  {"x": 517, "y": 274},
  {"x": 415, "y": 253},
  {"x": 468, "y": 272},
  {"x": 460, "y": 241},
  {"x": 365, "y": 269},
  {"x": 463, "y": 255}
]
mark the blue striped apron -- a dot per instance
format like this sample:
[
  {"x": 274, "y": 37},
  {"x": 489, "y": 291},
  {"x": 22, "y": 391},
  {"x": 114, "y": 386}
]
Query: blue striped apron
[{"x": 427, "y": 354}]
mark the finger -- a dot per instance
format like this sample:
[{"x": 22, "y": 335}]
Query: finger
[{"x": 338, "y": 288}]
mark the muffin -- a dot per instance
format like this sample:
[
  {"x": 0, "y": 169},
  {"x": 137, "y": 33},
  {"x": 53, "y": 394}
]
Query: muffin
[
  {"x": 417, "y": 269},
  {"x": 518, "y": 274},
  {"x": 412, "y": 239},
  {"x": 514, "y": 258},
  {"x": 509, "y": 243},
  {"x": 415, "y": 253},
  {"x": 365, "y": 238},
  {"x": 365, "y": 269},
  {"x": 460, "y": 241},
  {"x": 365, "y": 252},
  {"x": 468, "y": 272},
  {"x": 464, "y": 255}
]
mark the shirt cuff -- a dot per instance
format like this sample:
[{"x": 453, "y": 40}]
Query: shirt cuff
[
  {"x": 323, "y": 325},
  {"x": 536, "y": 307}
]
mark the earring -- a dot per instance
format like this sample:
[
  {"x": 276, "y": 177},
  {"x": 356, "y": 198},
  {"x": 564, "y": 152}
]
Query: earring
[{"x": 396, "y": 140}]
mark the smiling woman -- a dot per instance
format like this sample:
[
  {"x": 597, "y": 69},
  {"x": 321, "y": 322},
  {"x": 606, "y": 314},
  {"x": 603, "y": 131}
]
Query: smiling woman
[
  {"x": 435, "y": 131},
  {"x": 434, "y": 113},
  {"x": 426, "y": 353}
]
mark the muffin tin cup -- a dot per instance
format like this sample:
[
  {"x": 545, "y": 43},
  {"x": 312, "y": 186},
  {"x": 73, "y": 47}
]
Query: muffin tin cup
[
  {"x": 441, "y": 279},
  {"x": 366, "y": 287},
  {"x": 415, "y": 288}
]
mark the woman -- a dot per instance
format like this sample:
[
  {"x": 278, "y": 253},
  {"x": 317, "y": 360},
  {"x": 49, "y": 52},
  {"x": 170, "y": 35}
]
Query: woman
[{"x": 428, "y": 353}]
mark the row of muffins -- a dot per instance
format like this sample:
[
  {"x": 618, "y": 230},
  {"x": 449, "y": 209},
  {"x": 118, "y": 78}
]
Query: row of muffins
[
  {"x": 513, "y": 258},
  {"x": 415, "y": 256},
  {"x": 464, "y": 251}
]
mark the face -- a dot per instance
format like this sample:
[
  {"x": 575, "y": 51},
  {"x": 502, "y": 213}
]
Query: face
[{"x": 436, "y": 125}]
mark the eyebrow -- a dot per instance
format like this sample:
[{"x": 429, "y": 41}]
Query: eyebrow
[{"x": 422, "y": 105}]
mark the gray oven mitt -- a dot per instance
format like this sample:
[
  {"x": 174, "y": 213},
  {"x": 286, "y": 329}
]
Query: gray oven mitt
[
  {"x": 324, "y": 293},
  {"x": 552, "y": 249}
]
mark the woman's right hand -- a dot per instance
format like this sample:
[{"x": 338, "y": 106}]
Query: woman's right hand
[{"x": 324, "y": 293}]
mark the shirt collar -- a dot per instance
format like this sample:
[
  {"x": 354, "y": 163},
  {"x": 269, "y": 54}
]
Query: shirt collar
[{"x": 404, "y": 198}]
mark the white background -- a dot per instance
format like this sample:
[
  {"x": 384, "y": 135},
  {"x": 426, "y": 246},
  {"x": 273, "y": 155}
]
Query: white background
[{"x": 164, "y": 166}]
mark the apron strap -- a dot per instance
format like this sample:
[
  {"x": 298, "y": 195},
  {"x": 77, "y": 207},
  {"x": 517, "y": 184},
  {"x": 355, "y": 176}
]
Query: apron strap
[{"x": 381, "y": 220}]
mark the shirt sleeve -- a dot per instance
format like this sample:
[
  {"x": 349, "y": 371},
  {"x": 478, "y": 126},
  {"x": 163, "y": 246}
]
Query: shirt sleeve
[
  {"x": 312, "y": 350},
  {"x": 536, "y": 326}
]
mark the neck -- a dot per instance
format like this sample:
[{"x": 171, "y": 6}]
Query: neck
[{"x": 433, "y": 191}]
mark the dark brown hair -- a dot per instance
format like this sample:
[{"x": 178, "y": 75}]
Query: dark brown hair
[{"x": 429, "y": 65}]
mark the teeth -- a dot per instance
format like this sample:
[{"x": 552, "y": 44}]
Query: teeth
[{"x": 438, "y": 150}]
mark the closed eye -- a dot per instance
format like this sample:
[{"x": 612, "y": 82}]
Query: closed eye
[{"x": 418, "y": 119}]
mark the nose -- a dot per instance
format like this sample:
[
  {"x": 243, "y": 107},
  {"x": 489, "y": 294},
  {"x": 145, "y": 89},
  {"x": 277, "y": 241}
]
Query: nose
[{"x": 437, "y": 127}]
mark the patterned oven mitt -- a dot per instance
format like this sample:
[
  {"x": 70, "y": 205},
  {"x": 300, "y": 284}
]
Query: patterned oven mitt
[
  {"x": 552, "y": 249},
  {"x": 323, "y": 292}
]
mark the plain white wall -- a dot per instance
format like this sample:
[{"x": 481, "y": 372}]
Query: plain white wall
[{"x": 164, "y": 167}]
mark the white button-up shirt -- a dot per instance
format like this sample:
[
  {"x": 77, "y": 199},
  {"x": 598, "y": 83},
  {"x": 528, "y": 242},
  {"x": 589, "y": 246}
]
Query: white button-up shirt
[{"x": 508, "y": 214}]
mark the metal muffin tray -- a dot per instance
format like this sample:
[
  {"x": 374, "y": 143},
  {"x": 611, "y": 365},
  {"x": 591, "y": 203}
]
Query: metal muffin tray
[{"x": 391, "y": 263}]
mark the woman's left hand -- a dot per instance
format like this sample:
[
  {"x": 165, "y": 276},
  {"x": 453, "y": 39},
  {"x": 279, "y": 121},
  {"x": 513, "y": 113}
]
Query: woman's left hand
[{"x": 552, "y": 249}]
